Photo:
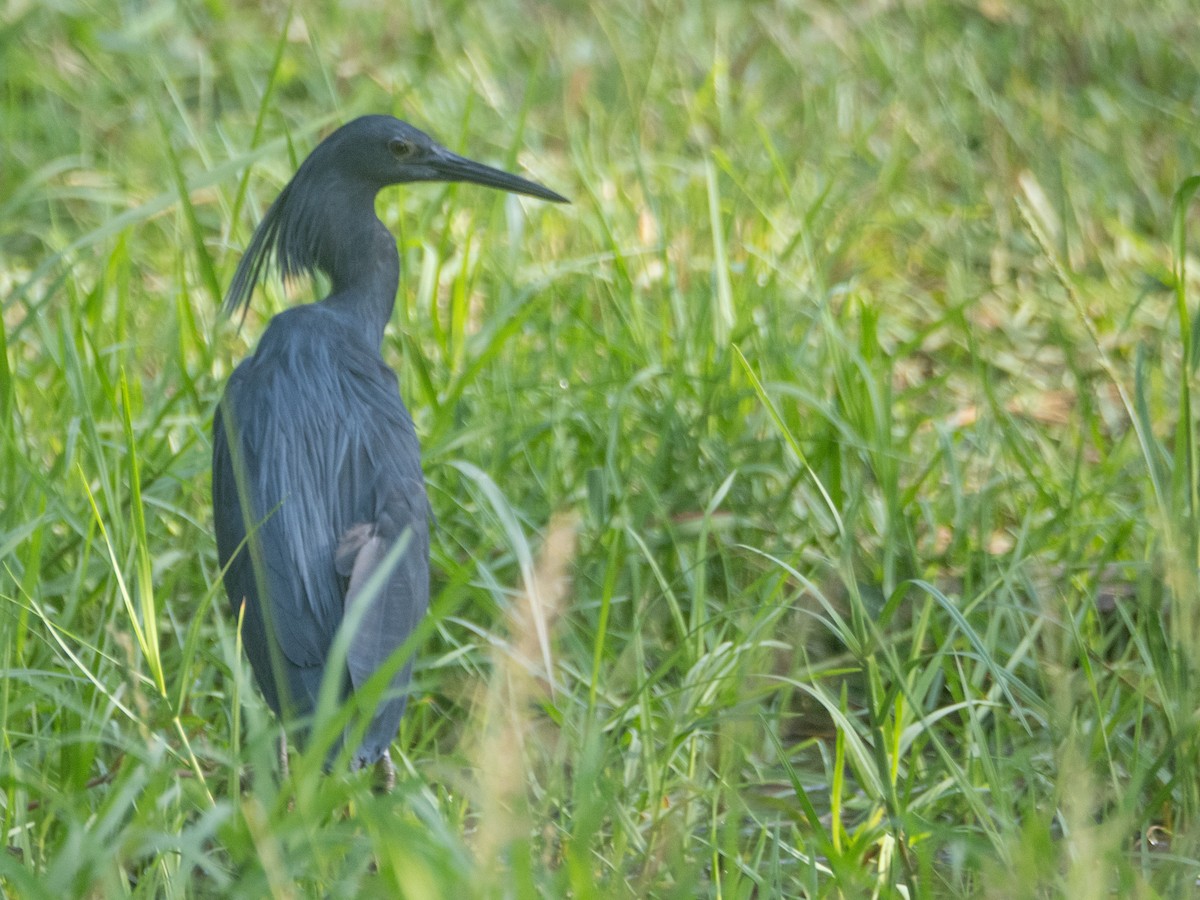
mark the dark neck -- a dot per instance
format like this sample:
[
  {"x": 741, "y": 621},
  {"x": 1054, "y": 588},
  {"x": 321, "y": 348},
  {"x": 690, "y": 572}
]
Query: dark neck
[{"x": 365, "y": 272}]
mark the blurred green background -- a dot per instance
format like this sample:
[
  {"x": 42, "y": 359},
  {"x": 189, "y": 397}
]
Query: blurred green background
[{"x": 850, "y": 399}]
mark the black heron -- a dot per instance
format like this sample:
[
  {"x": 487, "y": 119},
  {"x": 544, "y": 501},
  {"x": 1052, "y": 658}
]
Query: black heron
[{"x": 315, "y": 457}]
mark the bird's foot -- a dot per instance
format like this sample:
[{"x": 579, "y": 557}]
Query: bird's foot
[{"x": 385, "y": 775}]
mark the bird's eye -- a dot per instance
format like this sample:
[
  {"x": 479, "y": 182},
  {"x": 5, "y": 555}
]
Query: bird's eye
[{"x": 400, "y": 148}]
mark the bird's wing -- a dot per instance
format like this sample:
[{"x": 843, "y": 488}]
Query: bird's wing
[
  {"x": 233, "y": 553},
  {"x": 325, "y": 447},
  {"x": 396, "y": 591}
]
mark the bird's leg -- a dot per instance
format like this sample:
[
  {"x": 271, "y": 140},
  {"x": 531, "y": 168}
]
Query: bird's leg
[
  {"x": 284, "y": 765},
  {"x": 385, "y": 774}
]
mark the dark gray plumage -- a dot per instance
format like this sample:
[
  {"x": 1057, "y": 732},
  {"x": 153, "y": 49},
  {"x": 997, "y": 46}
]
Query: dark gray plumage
[{"x": 314, "y": 453}]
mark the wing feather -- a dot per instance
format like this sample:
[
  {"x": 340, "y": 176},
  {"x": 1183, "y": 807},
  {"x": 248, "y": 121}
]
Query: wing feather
[{"x": 316, "y": 458}]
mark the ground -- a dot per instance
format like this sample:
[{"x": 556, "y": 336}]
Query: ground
[{"x": 817, "y": 495}]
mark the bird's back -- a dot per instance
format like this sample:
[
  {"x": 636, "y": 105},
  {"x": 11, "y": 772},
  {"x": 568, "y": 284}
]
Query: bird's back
[{"x": 313, "y": 428}]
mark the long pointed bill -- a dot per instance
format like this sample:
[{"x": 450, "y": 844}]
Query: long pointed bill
[{"x": 452, "y": 167}]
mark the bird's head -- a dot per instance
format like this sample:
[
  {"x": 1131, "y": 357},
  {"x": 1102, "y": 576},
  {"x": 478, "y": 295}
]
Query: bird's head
[
  {"x": 338, "y": 180},
  {"x": 382, "y": 150}
]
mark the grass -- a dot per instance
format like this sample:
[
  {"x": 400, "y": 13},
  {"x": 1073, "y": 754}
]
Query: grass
[{"x": 836, "y": 447}]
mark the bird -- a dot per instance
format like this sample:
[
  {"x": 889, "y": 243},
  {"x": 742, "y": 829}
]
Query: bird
[{"x": 319, "y": 500}]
